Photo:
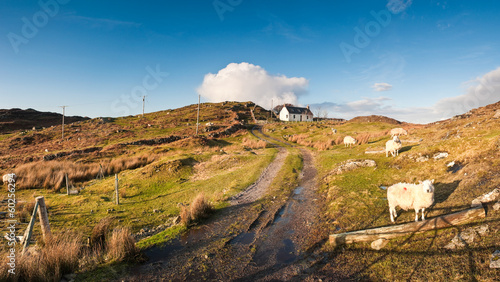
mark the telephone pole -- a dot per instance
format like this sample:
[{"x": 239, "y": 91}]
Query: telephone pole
[
  {"x": 198, "y": 115},
  {"x": 64, "y": 108},
  {"x": 143, "y": 100}
]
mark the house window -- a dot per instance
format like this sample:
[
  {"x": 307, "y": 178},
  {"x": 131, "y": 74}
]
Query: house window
[{"x": 293, "y": 116}]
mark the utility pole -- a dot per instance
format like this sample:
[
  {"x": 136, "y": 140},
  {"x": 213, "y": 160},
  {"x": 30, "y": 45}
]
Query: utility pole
[
  {"x": 64, "y": 108},
  {"x": 143, "y": 100},
  {"x": 272, "y": 104},
  {"x": 198, "y": 115}
]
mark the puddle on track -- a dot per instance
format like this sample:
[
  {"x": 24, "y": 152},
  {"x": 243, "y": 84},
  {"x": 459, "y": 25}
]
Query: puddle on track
[
  {"x": 163, "y": 253},
  {"x": 245, "y": 238},
  {"x": 286, "y": 254}
]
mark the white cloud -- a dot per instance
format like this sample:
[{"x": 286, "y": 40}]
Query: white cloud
[
  {"x": 482, "y": 91},
  {"x": 248, "y": 82},
  {"x": 381, "y": 87},
  {"x": 398, "y": 6}
]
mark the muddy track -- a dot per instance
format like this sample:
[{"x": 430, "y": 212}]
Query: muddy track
[{"x": 248, "y": 240}]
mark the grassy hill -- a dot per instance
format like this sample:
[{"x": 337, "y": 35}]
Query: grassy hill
[{"x": 163, "y": 165}]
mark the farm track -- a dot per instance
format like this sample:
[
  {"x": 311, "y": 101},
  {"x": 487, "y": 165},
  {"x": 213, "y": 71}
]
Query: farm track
[{"x": 248, "y": 240}]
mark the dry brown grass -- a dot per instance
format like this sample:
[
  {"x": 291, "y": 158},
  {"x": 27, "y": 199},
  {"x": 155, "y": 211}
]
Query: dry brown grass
[
  {"x": 59, "y": 256},
  {"x": 185, "y": 216},
  {"x": 254, "y": 144},
  {"x": 51, "y": 174},
  {"x": 121, "y": 245},
  {"x": 99, "y": 233},
  {"x": 199, "y": 209},
  {"x": 25, "y": 210}
]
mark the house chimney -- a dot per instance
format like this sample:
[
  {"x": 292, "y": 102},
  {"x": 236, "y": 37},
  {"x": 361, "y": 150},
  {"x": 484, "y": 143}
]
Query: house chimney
[{"x": 308, "y": 107}]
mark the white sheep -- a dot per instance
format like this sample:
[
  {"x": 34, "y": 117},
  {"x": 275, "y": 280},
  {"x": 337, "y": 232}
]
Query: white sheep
[
  {"x": 398, "y": 131},
  {"x": 348, "y": 140},
  {"x": 410, "y": 196},
  {"x": 334, "y": 130},
  {"x": 393, "y": 146},
  {"x": 6, "y": 177}
]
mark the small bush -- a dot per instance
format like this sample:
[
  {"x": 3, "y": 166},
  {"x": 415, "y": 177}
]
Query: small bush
[{"x": 121, "y": 245}]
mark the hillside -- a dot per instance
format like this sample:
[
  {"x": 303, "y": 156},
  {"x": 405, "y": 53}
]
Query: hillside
[
  {"x": 275, "y": 201},
  {"x": 18, "y": 119},
  {"x": 375, "y": 118}
]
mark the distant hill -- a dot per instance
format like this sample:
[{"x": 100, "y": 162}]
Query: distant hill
[
  {"x": 375, "y": 118},
  {"x": 18, "y": 119}
]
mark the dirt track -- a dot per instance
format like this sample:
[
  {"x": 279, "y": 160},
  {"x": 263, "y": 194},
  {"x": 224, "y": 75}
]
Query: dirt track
[{"x": 247, "y": 241}]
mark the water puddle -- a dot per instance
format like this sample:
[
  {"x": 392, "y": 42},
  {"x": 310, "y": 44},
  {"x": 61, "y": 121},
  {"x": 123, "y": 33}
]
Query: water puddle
[
  {"x": 383, "y": 187},
  {"x": 194, "y": 235},
  {"x": 286, "y": 254},
  {"x": 297, "y": 194},
  {"x": 245, "y": 238},
  {"x": 163, "y": 253}
]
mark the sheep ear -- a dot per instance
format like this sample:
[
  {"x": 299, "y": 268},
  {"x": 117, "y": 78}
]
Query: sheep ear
[
  {"x": 432, "y": 181},
  {"x": 420, "y": 182}
]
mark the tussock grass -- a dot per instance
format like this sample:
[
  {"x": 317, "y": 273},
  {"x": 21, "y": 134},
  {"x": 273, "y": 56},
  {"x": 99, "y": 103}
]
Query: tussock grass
[
  {"x": 121, "y": 245},
  {"x": 199, "y": 209},
  {"x": 254, "y": 144},
  {"x": 51, "y": 174},
  {"x": 99, "y": 234},
  {"x": 59, "y": 256}
]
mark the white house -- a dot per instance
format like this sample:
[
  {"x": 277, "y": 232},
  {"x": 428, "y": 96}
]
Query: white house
[{"x": 288, "y": 113}]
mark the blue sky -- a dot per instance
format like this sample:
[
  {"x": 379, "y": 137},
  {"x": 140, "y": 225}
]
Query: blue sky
[{"x": 417, "y": 61}]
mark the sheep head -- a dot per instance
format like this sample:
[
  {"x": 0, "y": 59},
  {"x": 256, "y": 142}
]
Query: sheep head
[{"x": 427, "y": 186}]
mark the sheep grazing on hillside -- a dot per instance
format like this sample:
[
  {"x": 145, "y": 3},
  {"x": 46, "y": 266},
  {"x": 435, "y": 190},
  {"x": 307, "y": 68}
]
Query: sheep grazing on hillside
[
  {"x": 6, "y": 178},
  {"x": 410, "y": 196},
  {"x": 348, "y": 141},
  {"x": 393, "y": 146},
  {"x": 334, "y": 130},
  {"x": 398, "y": 132}
]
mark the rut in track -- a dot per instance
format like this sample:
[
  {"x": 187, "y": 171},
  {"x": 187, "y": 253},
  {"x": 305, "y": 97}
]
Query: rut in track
[{"x": 245, "y": 241}]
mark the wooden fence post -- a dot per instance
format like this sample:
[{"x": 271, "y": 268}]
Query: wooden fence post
[
  {"x": 44, "y": 218},
  {"x": 67, "y": 186},
  {"x": 29, "y": 229},
  {"x": 116, "y": 189}
]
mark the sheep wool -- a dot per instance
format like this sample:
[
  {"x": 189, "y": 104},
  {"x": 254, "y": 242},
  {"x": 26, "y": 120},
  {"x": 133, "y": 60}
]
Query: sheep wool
[
  {"x": 6, "y": 177},
  {"x": 348, "y": 141},
  {"x": 410, "y": 196},
  {"x": 393, "y": 146}
]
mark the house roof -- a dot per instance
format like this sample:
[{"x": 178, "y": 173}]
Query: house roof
[{"x": 298, "y": 110}]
